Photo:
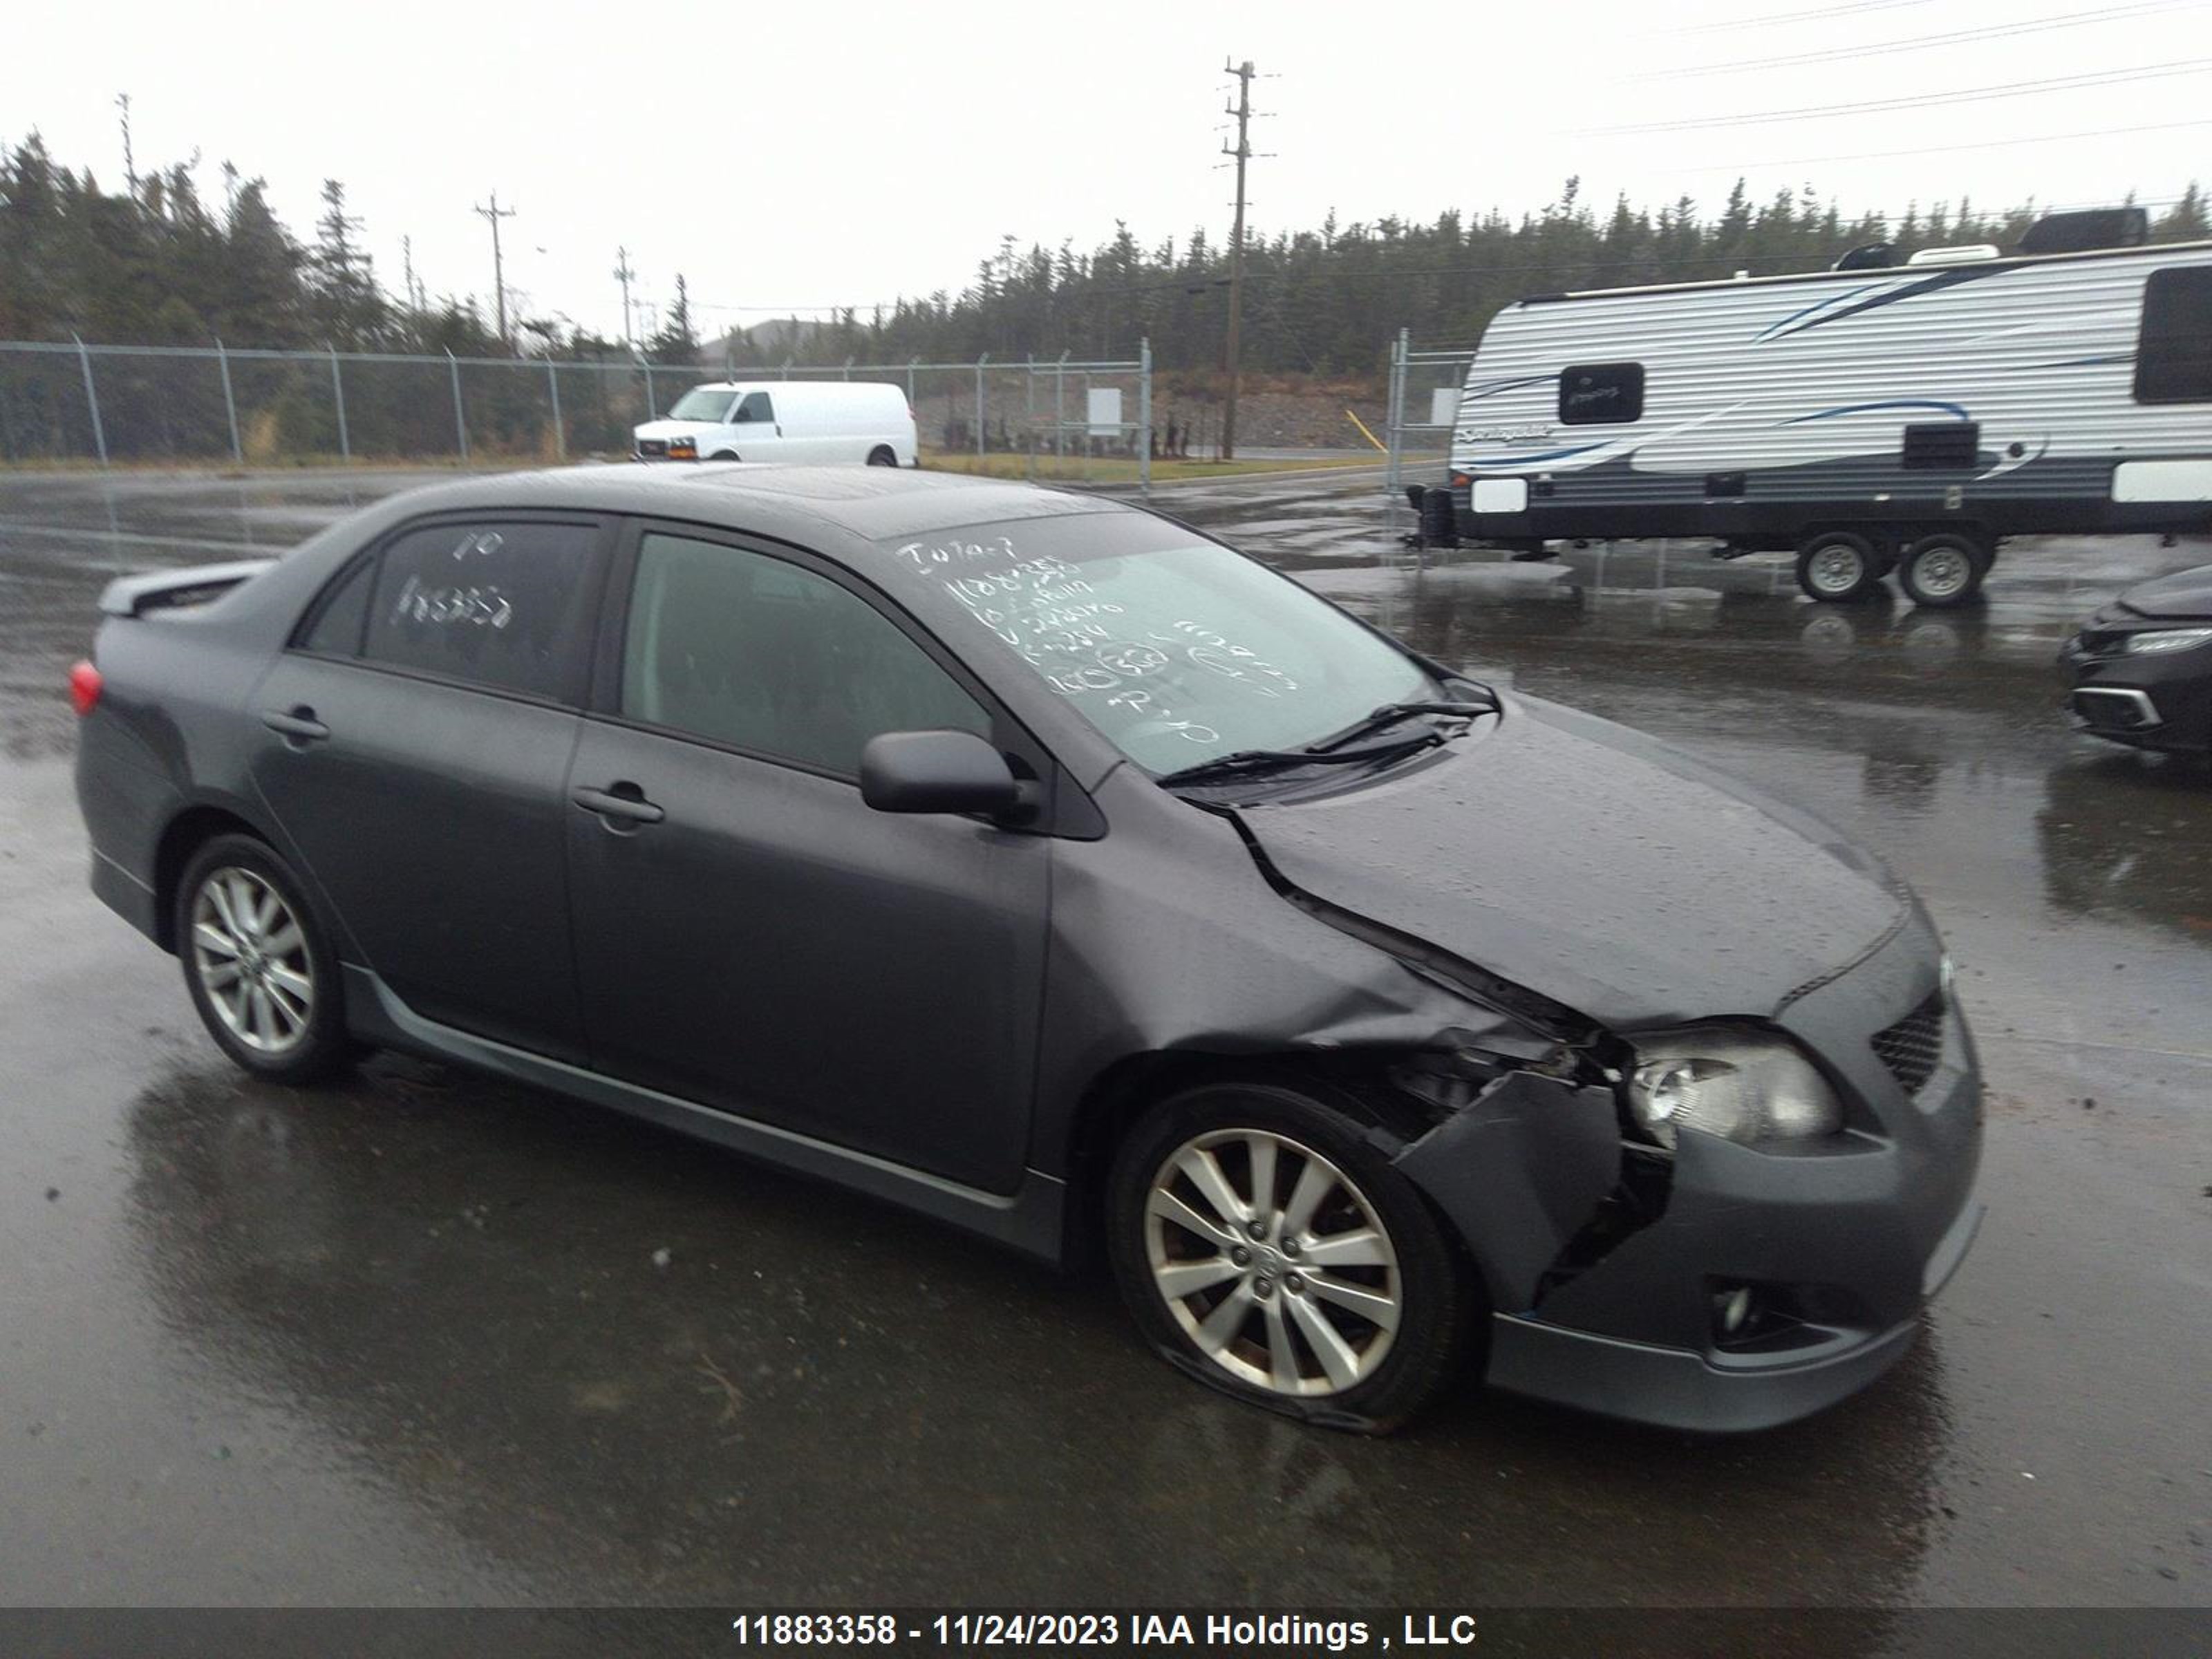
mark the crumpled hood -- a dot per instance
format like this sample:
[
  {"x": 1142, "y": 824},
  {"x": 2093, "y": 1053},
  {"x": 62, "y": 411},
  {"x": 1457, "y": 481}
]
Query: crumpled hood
[
  {"x": 1595, "y": 867},
  {"x": 2185, "y": 593}
]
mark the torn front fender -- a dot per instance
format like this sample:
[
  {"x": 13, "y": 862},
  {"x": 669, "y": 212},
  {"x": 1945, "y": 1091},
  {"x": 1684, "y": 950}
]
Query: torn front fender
[{"x": 1519, "y": 1171}]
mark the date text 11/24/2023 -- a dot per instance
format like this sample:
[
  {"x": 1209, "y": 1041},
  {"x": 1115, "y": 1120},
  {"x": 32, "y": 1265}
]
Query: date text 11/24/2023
[{"x": 1244, "y": 1632}]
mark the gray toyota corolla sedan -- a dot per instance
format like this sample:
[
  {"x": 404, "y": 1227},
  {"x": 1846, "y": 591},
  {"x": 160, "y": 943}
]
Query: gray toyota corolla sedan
[{"x": 1050, "y": 868}]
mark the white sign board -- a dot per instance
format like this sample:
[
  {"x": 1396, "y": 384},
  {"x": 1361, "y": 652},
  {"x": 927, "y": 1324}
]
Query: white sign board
[
  {"x": 1444, "y": 405},
  {"x": 1105, "y": 412}
]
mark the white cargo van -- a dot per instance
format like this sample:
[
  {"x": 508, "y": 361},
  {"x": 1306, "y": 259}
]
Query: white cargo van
[{"x": 816, "y": 422}]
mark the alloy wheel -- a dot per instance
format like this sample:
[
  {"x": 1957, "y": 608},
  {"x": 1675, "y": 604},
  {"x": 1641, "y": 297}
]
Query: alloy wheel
[
  {"x": 250, "y": 956},
  {"x": 1273, "y": 1262}
]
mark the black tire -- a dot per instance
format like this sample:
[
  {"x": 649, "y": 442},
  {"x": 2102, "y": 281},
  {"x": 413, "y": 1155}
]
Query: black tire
[
  {"x": 1943, "y": 569},
  {"x": 309, "y": 1033},
  {"x": 881, "y": 455},
  {"x": 726, "y": 455},
  {"x": 1380, "y": 1377},
  {"x": 1835, "y": 565}
]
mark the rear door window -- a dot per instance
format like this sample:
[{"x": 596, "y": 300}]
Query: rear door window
[
  {"x": 763, "y": 655},
  {"x": 507, "y": 605}
]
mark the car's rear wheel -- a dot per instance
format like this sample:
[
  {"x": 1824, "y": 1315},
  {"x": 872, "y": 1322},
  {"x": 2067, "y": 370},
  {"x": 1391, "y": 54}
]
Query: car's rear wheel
[
  {"x": 1266, "y": 1247},
  {"x": 882, "y": 456},
  {"x": 256, "y": 961}
]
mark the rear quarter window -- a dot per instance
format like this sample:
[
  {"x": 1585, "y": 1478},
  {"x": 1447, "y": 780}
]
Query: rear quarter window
[{"x": 500, "y": 604}]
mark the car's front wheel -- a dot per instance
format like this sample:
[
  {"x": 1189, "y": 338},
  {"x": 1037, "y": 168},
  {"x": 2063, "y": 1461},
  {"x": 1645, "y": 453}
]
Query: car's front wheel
[
  {"x": 259, "y": 969},
  {"x": 1268, "y": 1248}
]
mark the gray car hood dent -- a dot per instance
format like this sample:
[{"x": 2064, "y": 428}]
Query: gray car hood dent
[{"x": 1594, "y": 867}]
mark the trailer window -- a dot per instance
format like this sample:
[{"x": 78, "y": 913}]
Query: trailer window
[
  {"x": 1601, "y": 394},
  {"x": 2173, "y": 354}
]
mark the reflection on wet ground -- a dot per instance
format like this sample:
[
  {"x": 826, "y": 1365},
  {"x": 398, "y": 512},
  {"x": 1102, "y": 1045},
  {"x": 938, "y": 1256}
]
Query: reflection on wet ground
[{"x": 414, "y": 1338}]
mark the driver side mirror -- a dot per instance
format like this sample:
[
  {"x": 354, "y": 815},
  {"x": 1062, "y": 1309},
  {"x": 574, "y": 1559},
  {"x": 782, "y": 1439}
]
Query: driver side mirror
[{"x": 940, "y": 771}]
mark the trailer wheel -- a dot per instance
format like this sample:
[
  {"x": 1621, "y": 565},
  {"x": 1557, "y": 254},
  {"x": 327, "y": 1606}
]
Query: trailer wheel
[
  {"x": 1943, "y": 569},
  {"x": 1835, "y": 565}
]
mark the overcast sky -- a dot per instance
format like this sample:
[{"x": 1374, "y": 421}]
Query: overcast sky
[{"x": 795, "y": 159}]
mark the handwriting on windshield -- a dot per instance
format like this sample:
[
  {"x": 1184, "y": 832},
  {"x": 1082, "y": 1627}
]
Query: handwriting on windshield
[{"x": 1083, "y": 642}]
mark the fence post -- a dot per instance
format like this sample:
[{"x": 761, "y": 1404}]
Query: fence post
[
  {"x": 1399, "y": 350},
  {"x": 786, "y": 374},
  {"x": 910, "y": 362},
  {"x": 460, "y": 423},
  {"x": 1144, "y": 417},
  {"x": 338, "y": 397},
  {"x": 229, "y": 404},
  {"x": 848, "y": 368},
  {"x": 652, "y": 404},
  {"x": 1029, "y": 409},
  {"x": 553, "y": 385},
  {"x": 980, "y": 361},
  {"x": 1060, "y": 407},
  {"x": 92, "y": 402}
]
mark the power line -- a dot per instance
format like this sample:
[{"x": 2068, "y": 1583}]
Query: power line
[
  {"x": 1932, "y": 149},
  {"x": 1976, "y": 94},
  {"x": 1923, "y": 42},
  {"x": 1728, "y": 24}
]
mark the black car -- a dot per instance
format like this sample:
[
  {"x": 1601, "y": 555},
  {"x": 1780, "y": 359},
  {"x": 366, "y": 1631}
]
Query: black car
[
  {"x": 2142, "y": 667},
  {"x": 1042, "y": 865}
]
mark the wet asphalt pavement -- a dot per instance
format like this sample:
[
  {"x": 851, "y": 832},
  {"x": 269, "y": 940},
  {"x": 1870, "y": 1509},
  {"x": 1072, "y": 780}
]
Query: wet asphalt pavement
[{"x": 421, "y": 1337}]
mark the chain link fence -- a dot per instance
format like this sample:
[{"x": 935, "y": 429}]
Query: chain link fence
[
  {"x": 1055, "y": 417},
  {"x": 1423, "y": 403}
]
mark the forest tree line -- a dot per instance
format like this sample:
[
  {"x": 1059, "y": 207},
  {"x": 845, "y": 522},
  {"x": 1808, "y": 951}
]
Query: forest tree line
[{"x": 158, "y": 264}]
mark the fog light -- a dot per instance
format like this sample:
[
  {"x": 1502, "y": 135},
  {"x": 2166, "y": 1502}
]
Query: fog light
[{"x": 1732, "y": 1311}]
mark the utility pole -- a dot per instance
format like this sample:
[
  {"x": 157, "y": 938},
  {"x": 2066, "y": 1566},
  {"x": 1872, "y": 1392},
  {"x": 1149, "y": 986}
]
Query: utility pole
[
  {"x": 622, "y": 275},
  {"x": 407, "y": 263},
  {"x": 495, "y": 213},
  {"x": 130, "y": 165},
  {"x": 1241, "y": 109}
]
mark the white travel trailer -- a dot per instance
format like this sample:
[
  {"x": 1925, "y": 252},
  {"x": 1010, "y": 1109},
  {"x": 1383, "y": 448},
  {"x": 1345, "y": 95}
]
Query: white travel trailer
[
  {"x": 1875, "y": 416},
  {"x": 816, "y": 422}
]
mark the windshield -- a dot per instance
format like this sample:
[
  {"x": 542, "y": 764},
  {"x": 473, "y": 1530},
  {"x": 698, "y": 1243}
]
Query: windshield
[
  {"x": 701, "y": 403},
  {"x": 1177, "y": 649}
]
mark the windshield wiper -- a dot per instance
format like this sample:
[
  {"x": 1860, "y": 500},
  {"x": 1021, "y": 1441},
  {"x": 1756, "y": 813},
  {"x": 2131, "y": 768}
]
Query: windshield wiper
[
  {"x": 1391, "y": 712},
  {"x": 1269, "y": 760}
]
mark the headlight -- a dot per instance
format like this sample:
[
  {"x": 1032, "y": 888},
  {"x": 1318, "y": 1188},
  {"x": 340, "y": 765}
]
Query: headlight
[
  {"x": 2167, "y": 639},
  {"x": 1729, "y": 1082}
]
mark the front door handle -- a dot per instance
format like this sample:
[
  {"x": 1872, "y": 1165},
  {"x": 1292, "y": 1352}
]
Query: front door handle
[
  {"x": 624, "y": 803},
  {"x": 297, "y": 724}
]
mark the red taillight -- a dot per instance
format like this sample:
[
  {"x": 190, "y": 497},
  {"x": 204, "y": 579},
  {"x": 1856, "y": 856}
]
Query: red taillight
[{"x": 84, "y": 687}]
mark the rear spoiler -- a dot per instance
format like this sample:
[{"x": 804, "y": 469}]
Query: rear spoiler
[{"x": 173, "y": 590}]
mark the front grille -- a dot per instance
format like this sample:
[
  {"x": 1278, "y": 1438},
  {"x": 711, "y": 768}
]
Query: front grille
[{"x": 1911, "y": 1047}]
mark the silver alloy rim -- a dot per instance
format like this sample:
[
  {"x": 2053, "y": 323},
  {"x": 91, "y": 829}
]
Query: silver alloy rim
[
  {"x": 1272, "y": 1261},
  {"x": 1941, "y": 571},
  {"x": 1837, "y": 568},
  {"x": 251, "y": 958}
]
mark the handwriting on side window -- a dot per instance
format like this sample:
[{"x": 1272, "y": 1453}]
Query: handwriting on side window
[{"x": 468, "y": 604}]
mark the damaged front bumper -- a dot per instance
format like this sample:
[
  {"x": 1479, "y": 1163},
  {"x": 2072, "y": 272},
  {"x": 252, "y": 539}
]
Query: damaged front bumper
[{"x": 1731, "y": 1287}]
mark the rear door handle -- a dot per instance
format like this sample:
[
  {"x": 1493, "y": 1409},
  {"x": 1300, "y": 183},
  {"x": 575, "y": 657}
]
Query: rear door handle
[
  {"x": 611, "y": 803},
  {"x": 298, "y": 724}
]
